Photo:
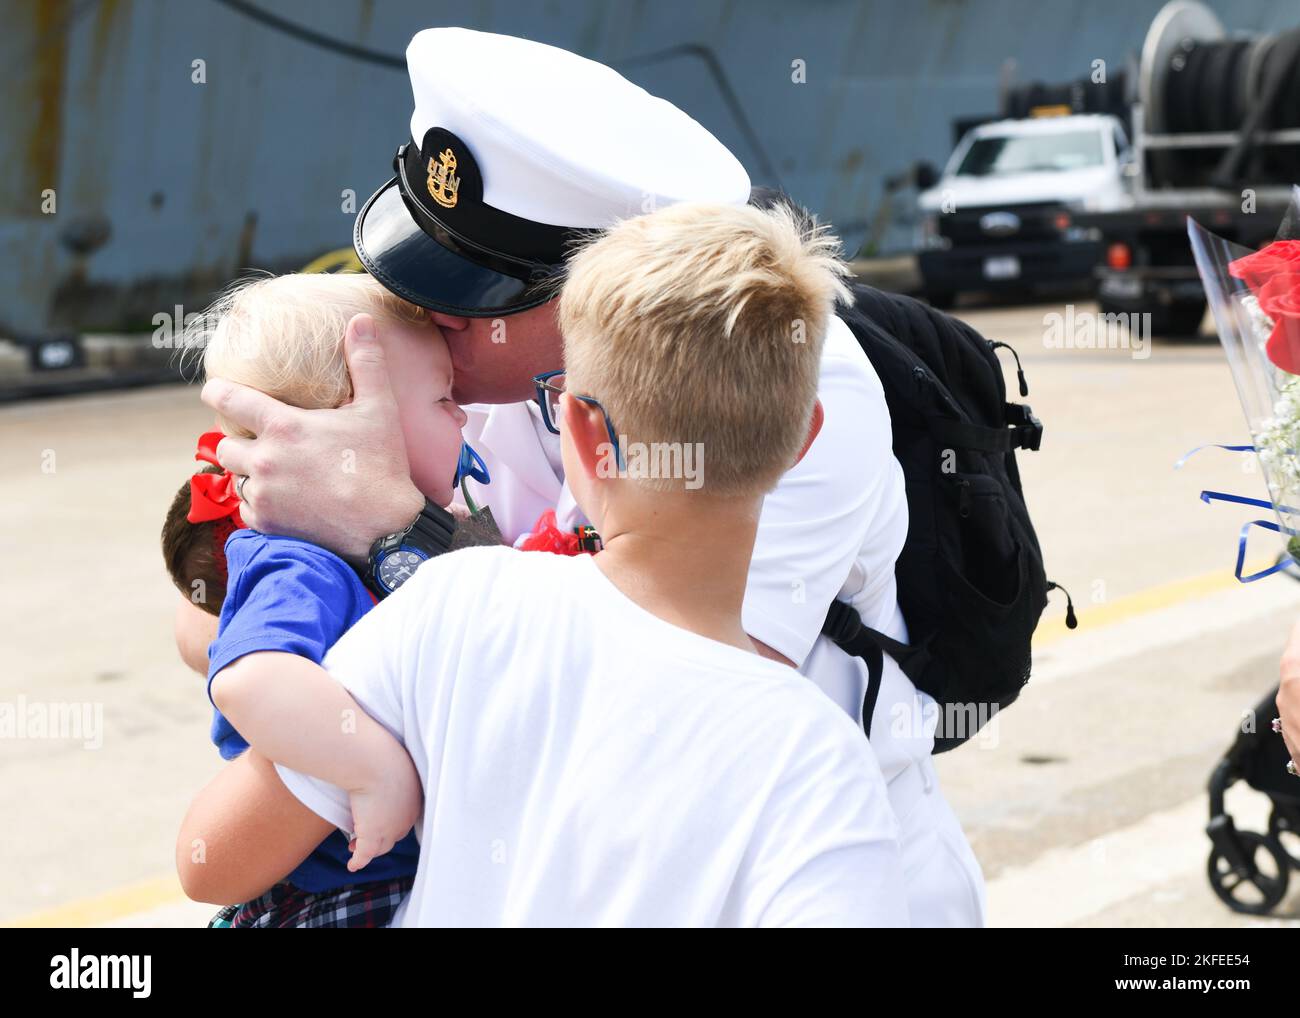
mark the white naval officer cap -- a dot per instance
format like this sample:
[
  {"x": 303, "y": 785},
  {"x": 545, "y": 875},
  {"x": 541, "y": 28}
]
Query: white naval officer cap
[{"x": 517, "y": 150}]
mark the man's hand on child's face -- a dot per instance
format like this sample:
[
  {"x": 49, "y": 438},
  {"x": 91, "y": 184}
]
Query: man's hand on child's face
[
  {"x": 338, "y": 478},
  {"x": 385, "y": 811}
]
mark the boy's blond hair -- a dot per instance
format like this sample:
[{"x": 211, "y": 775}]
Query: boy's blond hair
[
  {"x": 283, "y": 335},
  {"x": 704, "y": 324}
]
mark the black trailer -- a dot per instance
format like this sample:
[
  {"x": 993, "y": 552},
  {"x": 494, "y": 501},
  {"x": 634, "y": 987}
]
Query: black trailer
[
  {"x": 1215, "y": 127},
  {"x": 1147, "y": 265},
  {"x": 1216, "y": 133}
]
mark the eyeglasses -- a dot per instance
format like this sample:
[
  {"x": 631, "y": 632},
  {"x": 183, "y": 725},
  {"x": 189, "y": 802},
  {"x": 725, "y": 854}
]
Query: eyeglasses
[{"x": 549, "y": 388}]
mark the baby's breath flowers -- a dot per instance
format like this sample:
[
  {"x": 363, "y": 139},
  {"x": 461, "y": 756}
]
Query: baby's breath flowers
[{"x": 1278, "y": 437}]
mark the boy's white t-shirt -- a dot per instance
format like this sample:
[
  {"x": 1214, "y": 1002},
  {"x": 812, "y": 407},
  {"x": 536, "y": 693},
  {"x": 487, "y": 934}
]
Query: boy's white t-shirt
[
  {"x": 832, "y": 528},
  {"x": 587, "y": 763}
]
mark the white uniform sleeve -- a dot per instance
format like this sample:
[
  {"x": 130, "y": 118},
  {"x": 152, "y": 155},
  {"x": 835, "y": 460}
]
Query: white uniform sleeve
[
  {"x": 370, "y": 662},
  {"x": 855, "y": 886},
  {"x": 825, "y": 850},
  {"x": 815, "y": 522}
]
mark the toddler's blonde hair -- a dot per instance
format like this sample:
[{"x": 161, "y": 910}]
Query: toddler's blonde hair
[
  {"x": 704, "y": 324},
  {"x": 283, "y": 335}
]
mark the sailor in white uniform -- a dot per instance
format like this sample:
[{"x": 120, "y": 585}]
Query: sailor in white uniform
[
  {"x": 517, "y": 151},
  {"x": 832, "y": 528}
]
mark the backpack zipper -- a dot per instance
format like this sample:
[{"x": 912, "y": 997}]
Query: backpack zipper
[
  {"x": 1071, "y": 620},
  {"x": 1020, "y": 372},
  {"x": 923, "y": 376}
]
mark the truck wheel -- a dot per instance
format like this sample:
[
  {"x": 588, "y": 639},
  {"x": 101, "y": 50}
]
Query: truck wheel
[
  {"x": 1181, "y": 319},
  {"x": 1109, "y": 307},
  {"x": 944, "y": 300}
]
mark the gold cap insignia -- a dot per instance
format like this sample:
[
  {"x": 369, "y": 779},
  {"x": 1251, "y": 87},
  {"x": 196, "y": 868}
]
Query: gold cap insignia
[{"x": 444, "y": 185}]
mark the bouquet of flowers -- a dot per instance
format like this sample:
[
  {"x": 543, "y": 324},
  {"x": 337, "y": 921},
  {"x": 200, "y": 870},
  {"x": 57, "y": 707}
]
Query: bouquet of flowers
[{"x": 1255, "y": 298}]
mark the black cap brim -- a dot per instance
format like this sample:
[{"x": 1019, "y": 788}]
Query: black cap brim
[{"x": 406, "y": 260}]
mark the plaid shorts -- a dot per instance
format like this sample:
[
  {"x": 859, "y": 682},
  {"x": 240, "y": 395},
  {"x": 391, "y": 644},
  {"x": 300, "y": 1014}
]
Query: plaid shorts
[{"x": 287, "y": 907}]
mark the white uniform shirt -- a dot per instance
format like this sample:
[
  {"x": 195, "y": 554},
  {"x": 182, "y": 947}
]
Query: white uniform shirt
[
  {"x": 833, "y": 527},
  {"x": 587, "y": 763}
]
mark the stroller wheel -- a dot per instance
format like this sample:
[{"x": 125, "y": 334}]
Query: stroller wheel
[
  {"x": 1284, "y": 827},
  {"x": 1258, "y": 886}
]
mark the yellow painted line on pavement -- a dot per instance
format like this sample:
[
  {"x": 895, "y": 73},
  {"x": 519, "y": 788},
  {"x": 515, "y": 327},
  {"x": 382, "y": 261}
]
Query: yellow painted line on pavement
[
  {"x": 1152, "y": 599},
  {"x": 149, "y": 894},
  {"x": 105, "y": 907}
]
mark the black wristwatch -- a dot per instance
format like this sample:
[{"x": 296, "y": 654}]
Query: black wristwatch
[{"x": 394, "y": 559}]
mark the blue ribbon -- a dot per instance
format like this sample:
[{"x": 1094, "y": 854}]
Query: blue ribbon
[
  {"x": 1229, "y": 448},
  {"x": 1281, "y": 563},
  {"x": 1221, "y": 496}
]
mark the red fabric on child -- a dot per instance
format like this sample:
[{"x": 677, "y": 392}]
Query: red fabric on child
[
  {"x": 546, "y": 536},
  {"x": 213, "y": 496}
]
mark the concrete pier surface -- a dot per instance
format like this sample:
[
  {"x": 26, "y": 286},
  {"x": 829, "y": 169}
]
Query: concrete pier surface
[{"x": 1086, "y": 806}]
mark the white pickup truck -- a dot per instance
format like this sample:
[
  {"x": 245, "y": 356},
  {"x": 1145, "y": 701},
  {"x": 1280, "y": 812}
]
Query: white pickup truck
[{"x": 1001, "y": 216}]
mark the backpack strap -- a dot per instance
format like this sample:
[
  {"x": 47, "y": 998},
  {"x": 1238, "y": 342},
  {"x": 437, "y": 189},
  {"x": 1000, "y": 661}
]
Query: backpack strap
[
  {"x": 1025, "y": 431},
  {"x": 844, "y": 628}
]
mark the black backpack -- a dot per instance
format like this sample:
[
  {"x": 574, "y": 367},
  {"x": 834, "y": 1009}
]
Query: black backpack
[{"x": 970, "y": 577}]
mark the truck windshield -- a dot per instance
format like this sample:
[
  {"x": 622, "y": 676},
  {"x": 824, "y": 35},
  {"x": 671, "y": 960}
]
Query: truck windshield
[{"x": 1032, "y": 153}]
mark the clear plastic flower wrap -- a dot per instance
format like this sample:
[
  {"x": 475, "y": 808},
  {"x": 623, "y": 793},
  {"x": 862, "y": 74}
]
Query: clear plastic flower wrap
[{"x": 1255, "y": 299}]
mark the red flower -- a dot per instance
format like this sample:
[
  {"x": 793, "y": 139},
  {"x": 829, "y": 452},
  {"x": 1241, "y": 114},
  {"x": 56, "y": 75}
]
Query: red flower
[
  {"x": 1279, "y": 298},
  {"x": 1258, "y": 268}
]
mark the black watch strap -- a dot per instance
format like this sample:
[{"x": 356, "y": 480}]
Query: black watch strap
[
  {"x": 431, "y": 534},
  {"x": 432, "y": 530}
]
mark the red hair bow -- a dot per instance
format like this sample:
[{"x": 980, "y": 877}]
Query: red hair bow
[{"x": 212, "y": 496}]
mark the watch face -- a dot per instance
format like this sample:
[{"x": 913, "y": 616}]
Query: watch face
[{"x": 398, "y": 567}]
